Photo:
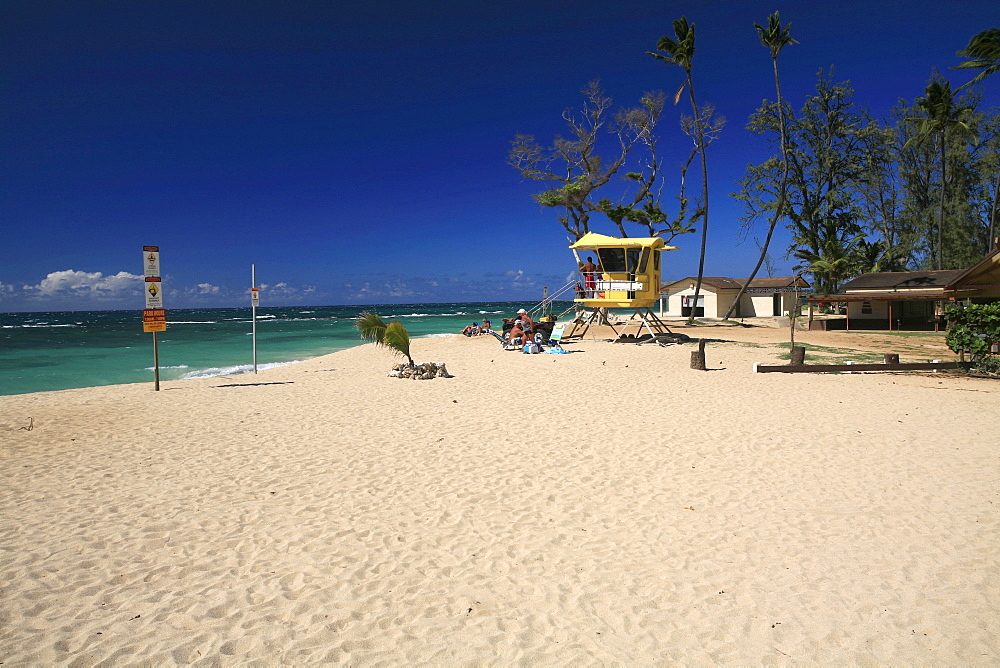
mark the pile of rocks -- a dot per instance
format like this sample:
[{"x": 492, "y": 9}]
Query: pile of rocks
[{"x": 426, "y": 371}]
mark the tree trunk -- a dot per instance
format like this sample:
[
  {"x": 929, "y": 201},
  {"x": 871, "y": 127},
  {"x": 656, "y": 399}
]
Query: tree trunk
[
  {"x": 940, "y": 234},
  {"x": 798, "y": 356},
  {"x": 782, "y": 189},
  {"x": 698, "y": 357},
  {"x": 704, "y": 194},
  {"x": 993, "y": 218}
]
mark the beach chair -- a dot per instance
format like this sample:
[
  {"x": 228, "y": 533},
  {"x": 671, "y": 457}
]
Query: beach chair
[
  {"x": 557, "y": 334},
  {"x": 503, "y": 342}
]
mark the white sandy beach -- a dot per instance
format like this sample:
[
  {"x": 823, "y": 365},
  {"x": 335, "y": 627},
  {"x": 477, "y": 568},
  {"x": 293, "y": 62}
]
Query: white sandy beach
[{"x": 609, "y": 506}]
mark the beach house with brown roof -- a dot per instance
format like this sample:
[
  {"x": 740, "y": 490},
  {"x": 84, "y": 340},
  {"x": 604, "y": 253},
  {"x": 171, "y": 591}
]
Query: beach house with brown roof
[
  {"x": 771, "y": 296},
  {"x": 910, "y": 300}
]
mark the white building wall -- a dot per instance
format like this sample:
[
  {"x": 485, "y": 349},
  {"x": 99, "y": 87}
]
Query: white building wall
[
  {"x": 788, "y": 301},
  {"x": 879, "y": 309},
  {"x": 715, "y": 303},
  {"x": 760, "y": 305}
]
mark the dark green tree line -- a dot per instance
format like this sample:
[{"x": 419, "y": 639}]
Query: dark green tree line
[{"x": 915, "y": 191}]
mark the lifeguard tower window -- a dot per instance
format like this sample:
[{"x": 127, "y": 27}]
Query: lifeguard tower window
[
  {"x": 612, "y": 259},
  {"x": 625, "y": 260}
]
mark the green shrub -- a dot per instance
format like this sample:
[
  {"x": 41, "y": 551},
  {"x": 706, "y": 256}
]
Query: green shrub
[{"x": 974, "y": 329}]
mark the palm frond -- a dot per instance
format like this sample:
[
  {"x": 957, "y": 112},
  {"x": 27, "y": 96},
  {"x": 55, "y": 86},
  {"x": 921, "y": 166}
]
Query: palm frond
[
  {"x": 677, "y": 95},
  {"x": 397, "y": 338},
  {"x": 391, "y": 335},
  {"x": 679, "y": 49},
  {"x": 984, "y": 54},
  {"x": 371, "y": 326},
  {"x": 775, "y": 36}
]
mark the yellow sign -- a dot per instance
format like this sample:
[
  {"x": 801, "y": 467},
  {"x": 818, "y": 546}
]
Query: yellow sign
[{"x": 154, "y": 320}]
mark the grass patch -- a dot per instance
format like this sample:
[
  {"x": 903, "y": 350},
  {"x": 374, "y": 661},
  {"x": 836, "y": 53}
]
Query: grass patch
[
  {"x": 914, "y": 334},
  {"x": 853, "y": 356},
  {"x": 827, "y": 355},
  {"x": 821, "y": 349}
]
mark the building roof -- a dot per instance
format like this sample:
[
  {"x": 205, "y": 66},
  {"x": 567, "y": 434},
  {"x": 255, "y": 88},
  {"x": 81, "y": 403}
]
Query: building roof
[
  {"x": 717, "y": 282},
  {"x": 985, "y": 275},
  {"x": 775, "y": 282},
  {"x": 895, "y": 281},
  {"x": 921, "y": 285},
  {"x": 770, "y": 284}
]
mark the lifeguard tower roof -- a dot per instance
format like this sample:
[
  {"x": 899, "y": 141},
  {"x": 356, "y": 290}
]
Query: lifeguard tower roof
[{"x": 593, "y": 241}]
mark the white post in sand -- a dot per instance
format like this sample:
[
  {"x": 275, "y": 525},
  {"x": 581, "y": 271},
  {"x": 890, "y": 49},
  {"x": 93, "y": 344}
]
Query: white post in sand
[{"x": 254, "y": 300}]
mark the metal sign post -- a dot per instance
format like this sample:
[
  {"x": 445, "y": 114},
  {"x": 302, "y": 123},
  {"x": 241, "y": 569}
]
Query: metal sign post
[
  {"x": 254, "y": 301},
  {"x": 154, "y": 316}
]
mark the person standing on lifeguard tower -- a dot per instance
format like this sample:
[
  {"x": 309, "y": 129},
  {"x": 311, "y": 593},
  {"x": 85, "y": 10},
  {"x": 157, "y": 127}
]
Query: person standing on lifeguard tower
[{"x": 589, "y": 276}]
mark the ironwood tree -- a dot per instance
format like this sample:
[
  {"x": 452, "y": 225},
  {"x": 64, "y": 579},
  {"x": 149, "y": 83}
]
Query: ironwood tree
[
  {"x": 947, "y": 181},
  {"x": 609, "y": 165},
  {"x": 825, "y": 157}
]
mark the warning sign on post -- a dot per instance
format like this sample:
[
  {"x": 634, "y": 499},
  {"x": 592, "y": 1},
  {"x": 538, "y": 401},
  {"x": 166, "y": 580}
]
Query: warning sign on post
[
  {"x": 154, "y": 292},
  {"x": 154, "y": 320},
  {"x": 151, "y": 260},
  {"x": 255, "y": 296}
]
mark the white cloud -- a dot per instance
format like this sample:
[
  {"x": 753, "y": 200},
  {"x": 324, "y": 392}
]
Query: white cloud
[
  {"x": 206, "y": 289},
  {"x": 281, "y": 289},
  {"x": 71, "y": 282},
  {"x": 519, "y": 279}
]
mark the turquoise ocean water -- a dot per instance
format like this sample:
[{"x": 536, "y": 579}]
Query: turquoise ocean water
[{"x": 62, "y": 350}]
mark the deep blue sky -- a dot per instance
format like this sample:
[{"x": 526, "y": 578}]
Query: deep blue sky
[{"x": 356, "y": 151}]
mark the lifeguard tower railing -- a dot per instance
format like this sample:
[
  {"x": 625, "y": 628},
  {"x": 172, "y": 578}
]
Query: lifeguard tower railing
[
  {"x": 564, "y": 293},
  {"x": 575, "y": 288}
]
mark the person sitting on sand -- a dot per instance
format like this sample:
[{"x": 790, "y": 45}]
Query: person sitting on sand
[
  {"x": 471, "y": 330},
  {"x": 486, "y": 327},
  {"x": 516, "y": 332}
]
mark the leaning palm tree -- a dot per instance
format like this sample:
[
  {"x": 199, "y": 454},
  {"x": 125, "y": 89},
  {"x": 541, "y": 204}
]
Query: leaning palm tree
[
  {"x": 391, "y": 335},
  {"x": 775, "y": 37},
  {"x": 943, "y": 115},
  {"x": 679, "y": 50},
  {"x": 984, "y": 54}
]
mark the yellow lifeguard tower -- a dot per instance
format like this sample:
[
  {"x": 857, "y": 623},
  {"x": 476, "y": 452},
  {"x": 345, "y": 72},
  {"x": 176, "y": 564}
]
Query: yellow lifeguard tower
[{"x": 627, "y": 276}]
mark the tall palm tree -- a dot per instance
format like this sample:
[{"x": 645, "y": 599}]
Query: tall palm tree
[
  {"x": 943, "y": 115},
  {"x": 984, "y": 52},
  {"x": 391, "y": 335},
  {"x": 679, "y": 50},
  {"x": 775, "y": 37}
]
